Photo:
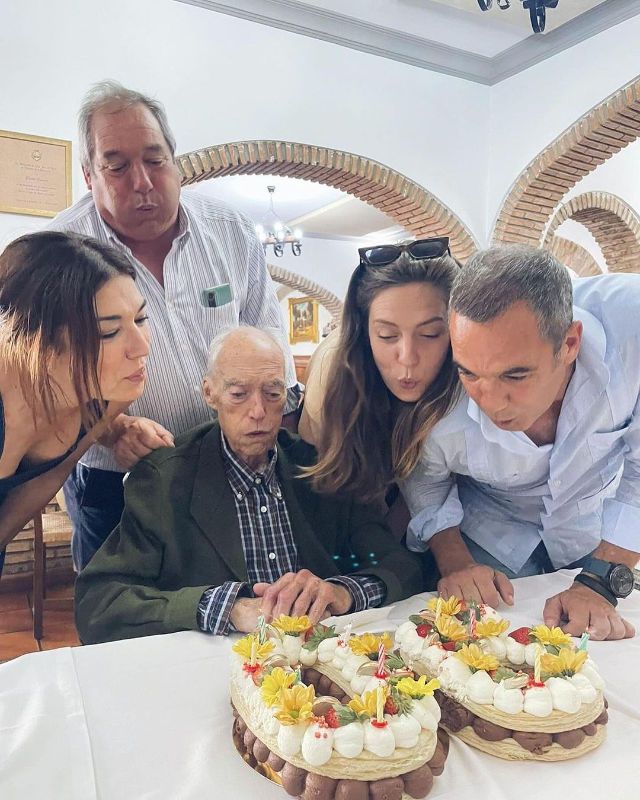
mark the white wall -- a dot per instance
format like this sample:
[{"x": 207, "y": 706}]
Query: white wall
[
  {"x": 224, "y": 79},
  {"x": 531, "y": 109},
  {"x": 577, "y": 233}
]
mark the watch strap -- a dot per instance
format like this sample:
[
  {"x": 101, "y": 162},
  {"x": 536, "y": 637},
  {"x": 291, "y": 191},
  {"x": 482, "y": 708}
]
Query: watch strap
[
  {"x": 597, "y": 566},
  {"x": 597, "y": 586}
]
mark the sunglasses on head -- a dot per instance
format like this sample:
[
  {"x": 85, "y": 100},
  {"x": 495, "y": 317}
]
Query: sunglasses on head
[{"x": 422, "y": 248}]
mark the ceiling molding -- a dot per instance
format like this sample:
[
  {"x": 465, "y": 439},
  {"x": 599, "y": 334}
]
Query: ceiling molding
[{"x": 378, "y": 40}]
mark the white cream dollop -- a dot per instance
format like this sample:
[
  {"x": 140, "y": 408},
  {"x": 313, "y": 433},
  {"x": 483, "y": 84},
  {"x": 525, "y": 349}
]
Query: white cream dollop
[
  {"x": 405, "y": 728},
  {"x": 327, "y": 649},
  {"x": 530, "y": 653},
  {"x": 433, "y": 656},
  {"x": 515, "y": 651},
  {"x": 453, "y": 675},
  {"x": 495, "y": 645},
  {"x": 352, "y": 663},
  {"x": 348, "y": 740},
  {"x": 401, "y": 632},
  {"x": 308, "y": 657},
  {"x": 317, "y": 744},
  {"x": 480, "y": 688},
  {"x": 508, "y": 700},
  {"x": 537, "y": 701},
  {"x": 373, "y": 683},
  {"x": 587, "y": 690},
  {"x": 564, "y": 694},
  {"x": 412, "y": 645},
  {"x": 590, "y": 672},
  {"x": 379, "y": 741},
  {"x": 290, "y": 738}
]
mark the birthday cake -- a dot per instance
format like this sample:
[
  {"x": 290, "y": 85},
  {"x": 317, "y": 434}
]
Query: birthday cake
[
  {"x": 528, "y": 694},
  {"x": 331, "y": 715}
]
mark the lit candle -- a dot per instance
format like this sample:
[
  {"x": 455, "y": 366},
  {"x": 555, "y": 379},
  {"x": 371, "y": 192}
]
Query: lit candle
[
  {"x": 262, "y": 629},
  {"x": 382, "y": 657},
  {"x": 254, "y": 647},
  {"x": 380, "y": 704},
  {"x": 472, "y": 622}
]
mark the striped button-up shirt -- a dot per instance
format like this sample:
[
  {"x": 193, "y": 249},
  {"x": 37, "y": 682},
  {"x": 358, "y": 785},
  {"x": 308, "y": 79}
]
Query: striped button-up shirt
[
  {"x": 214, "y": 245},
  {"x": 268, "y": 543}
]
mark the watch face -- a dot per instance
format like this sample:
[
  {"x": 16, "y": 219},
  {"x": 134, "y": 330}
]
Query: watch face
[{"x": 621, "y": 580}]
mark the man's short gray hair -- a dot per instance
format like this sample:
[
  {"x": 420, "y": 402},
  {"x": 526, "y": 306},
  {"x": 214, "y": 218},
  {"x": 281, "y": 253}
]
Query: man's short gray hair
[
  {"x": 266, "y": 334},
  {"x": 116, "y": 97},
  {"x": 494, "y": 279}
]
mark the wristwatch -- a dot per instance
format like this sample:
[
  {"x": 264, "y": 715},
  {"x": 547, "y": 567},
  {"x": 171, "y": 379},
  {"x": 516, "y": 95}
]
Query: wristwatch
[{"x": 614, "y": 580}]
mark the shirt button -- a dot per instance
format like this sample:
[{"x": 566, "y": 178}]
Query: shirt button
[
  {"x": 556, "y": 483},
  {"x": 263, "y": 509},
  {"x": 239, "y": 495},
  {"x": 272, "y": 556},
  {"x": 258, "y": 480}
]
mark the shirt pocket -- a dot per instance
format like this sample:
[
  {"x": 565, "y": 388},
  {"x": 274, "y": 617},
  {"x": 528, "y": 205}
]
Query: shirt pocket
[
  {"x": 216, "y": 320},
  {"x": 607, "y": 449}
]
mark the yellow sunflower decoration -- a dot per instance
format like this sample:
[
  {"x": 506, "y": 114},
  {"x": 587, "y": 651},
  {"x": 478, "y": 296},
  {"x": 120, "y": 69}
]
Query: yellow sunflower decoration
[
  {"x": 451, "y": 629},
  {"x": 250, "y": 645},
  {"x": 556, "y": 637},
  {"x": 369, "y": 643},
  {"x": 293, "y": 625},
  {"x": 419, "y": 688},
  {"x": 274, "y": 683},
  {"x": 567, "y": 662},
  {"x": 449, "y": 607},
  {"x": 475, "y": 658},
  {"x": 491, "y": 627},
  {"x": 295, "y": 704}
]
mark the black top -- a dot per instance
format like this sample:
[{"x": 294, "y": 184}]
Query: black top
[{"x": 27, "y": 473}]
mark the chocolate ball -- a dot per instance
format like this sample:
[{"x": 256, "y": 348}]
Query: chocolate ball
[
  {"x": 569, "y": 739},
  {"x": 443, "y": 739},
  {"x": 249, "y": 739},
  {"x": 275, "y": 762},
  {"x": 418, "y": 782},
  {"x": 489, "y": 731},
  {"x": 386, "y": 789},
  {"x": 591, "y": 729},
  {"x": 324, "y": 684},
  {"x": 335, "y": 690},
  {"x": 537, "y": 743},
  {"x": 603, "y": 718},
  {"x": 606, "y": 702},
  {"x": 352, "y": 790},
  {"x": 319, "y": 787},
  {"x": 240, "y": 726},
  {"x": 261, "y": 751},
  {"x": 311, "y": 676},
  {"x": 293, "y": 779},
  {"x": 436, "y": 762}
]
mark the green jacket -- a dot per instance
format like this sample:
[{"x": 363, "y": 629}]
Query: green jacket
[{"x": 179, "y": 535}]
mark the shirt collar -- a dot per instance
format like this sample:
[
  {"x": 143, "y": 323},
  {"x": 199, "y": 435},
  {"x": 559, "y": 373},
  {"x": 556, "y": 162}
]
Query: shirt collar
[{"x": 243, "y": 479}]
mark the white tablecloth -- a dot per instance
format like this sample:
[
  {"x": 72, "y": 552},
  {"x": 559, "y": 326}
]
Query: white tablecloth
[{"x": 150, "y": 718}]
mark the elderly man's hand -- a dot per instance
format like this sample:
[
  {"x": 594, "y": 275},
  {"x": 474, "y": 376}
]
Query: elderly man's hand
[
  {"x": 298, "y": 593},
  {"x": 580, "y": 609},
  {"x": 244, "y": 614},
  {"x": 477, "y": 582},
  {"x": 137, "y": 437}
]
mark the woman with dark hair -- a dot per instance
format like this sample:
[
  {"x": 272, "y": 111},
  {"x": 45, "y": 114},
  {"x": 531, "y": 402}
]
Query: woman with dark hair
[
  {"x": 391, "y": 376},
  {"x": 73, "y": 337}
]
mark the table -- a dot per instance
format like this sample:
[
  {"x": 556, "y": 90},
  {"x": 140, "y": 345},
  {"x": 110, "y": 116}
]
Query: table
[{"x": 149, "y": 719}]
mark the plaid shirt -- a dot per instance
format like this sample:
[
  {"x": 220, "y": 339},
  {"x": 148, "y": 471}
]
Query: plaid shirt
[{"x": 268, "y": 543}]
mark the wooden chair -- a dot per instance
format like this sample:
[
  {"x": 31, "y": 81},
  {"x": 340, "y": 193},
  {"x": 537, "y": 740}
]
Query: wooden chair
[{"x": 53, "y": 527}]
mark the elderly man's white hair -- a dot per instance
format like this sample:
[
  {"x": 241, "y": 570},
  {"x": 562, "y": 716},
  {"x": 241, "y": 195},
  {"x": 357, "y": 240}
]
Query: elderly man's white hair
[{"x": 264, "y": 335}]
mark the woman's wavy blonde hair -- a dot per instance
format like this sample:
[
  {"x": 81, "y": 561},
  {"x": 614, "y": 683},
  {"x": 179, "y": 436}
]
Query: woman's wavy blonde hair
[{"x": 369, "y": 438}]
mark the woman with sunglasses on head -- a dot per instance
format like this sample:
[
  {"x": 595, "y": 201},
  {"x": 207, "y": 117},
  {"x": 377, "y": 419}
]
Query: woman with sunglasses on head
[
  {"x": 73, "y": 336},
  {"x": 391, "y": 376}
]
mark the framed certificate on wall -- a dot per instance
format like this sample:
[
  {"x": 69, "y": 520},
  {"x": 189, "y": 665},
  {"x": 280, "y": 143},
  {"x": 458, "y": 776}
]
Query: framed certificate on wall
[{"x": 35, "y": 174}]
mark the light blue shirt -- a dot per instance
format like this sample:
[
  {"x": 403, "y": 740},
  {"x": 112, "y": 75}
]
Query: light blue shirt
[{"x": 506, "y": 493}]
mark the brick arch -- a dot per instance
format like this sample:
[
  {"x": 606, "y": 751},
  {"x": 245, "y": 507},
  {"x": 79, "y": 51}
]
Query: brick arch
[
  {"x": 310, "y": 288},
  {"x": 407, "y": 203},
  {"x": 613, "y": 224},
  {"x": 574, "y": 256},
  {"x": 590, "y": 141}
]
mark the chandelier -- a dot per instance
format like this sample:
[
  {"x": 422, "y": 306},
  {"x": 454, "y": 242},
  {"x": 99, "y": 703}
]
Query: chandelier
[
  {"x": 272, "y": 231},
  {"x": 537, "y": 10}
]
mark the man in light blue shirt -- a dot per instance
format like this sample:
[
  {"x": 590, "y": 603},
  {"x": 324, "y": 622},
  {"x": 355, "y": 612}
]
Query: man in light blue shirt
[{"x": 538, "y": 465}]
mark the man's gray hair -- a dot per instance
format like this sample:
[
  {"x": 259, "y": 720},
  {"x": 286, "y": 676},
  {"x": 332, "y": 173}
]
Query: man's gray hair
[
  {"x": 113, "y": 95},
  {"x": 494, "y": 279},
  {"x": 265, "y": 334}
]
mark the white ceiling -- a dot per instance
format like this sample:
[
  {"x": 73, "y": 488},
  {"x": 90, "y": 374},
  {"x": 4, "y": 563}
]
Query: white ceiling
[
  {"x": 454, "y": 37},
  {"x": 319, "y": 211}
]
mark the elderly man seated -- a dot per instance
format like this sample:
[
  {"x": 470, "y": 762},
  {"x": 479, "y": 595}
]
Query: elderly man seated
[{"x": 223, "y": 527}]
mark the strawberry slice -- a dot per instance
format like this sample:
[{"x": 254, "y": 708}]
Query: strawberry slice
[
  {"x": 423, "y": 630},
  {"x": 521, "y": 635},
  {"x": 449, "y": 646},
  {"x": 390, "y": 707}
]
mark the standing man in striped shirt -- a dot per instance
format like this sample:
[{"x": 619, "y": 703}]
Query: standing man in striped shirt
[{"x": 181, "y": 244}]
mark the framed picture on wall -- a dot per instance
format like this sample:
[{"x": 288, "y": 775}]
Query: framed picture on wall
[
  {"x": 35, "y": 174},
  {"x": 303, "y": 320}
]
